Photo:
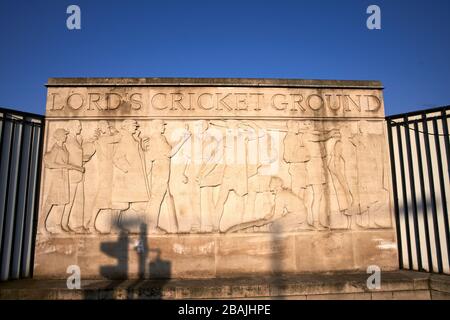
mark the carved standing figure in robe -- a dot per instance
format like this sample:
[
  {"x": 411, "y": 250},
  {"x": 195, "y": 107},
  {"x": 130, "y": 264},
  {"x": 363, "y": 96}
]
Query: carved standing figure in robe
[
  {"x": 56, "y": 163},
  {"x": 129, "y": 174},
  {"x": 315, "y": 172},
  {"x": 337, "y": 167},
  {"x": 372, "y": 177},
  {"x": 158, "y": 154},
  {"x": 202, "y": 172},
  {"x": 297, "y": 156},
  {"x": 236, "y": 170},
  {"x": 73, "y": 216},
  {"x": 104, "y": 143}
]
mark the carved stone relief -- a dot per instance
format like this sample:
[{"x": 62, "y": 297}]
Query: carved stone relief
[{"x": 214, "y": 176}]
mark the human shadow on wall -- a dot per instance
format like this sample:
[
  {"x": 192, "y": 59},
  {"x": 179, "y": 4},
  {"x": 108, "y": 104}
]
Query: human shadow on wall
[
  {"x": 152, "y": 280},
  {"x": 119, "y": 250},
  {"x": 140, "y": 271},
  {"x": 276, "y": 282}
]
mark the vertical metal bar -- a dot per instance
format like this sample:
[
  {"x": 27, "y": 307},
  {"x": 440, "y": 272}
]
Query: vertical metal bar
[
  {"x": 405, "y": 198},
  {"x": 33, "y": 182},
  {"x": 21, "y": 199},
  {"x": 395, "y": 195},
  {"x": 413, "y": 193},
  {"x": 424, "y": 200},
  {"x": 447, "y": 151},
  {"x": 37, "y": 193},
  {"x": 2, "y": 171},
  {"x": 446, "y": 138},
  {"x": 8, "y": 234},
  {"x": 4, "y": 182},
  {"x": 441, "y": 184},
  {"x": 2, "y": 124},
  {"x": 19, "y": 190},
  {"x": 432, "y": 194}
]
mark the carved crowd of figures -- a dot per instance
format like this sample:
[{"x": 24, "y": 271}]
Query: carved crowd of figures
[{"x": 191, "y": 178}]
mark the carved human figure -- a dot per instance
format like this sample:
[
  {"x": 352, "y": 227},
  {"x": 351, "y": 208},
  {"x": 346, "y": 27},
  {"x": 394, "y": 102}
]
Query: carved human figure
[
  {"x": 259, "y": 184},
  {"x": 57, "y": 195},
  {"x": 73, "y": 215},
  {"x": 337, "y": 167},
  {"x": 202, "y": 173},
  {"x": 236, "y": 170},
  {"x": 158, "y": 154},
  {"x": 104, "y": 144},
  {"x": 297, "y": 156},
  {"x": 371, "y": 176},
  {"x": 129, "y": 174},
  {"x": 315, "y": 172},
  {"x": 288, "y": 212}
]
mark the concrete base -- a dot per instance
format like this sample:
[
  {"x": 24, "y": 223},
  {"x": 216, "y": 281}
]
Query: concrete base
[
  {"x": 214, "y": 256},
  {"x": 400, "y": 285}
]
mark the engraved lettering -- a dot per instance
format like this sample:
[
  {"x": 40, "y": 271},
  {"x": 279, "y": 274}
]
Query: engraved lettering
[
  {"x": 337, "y": 104},
  {"x": 94, "y": 98},
  {"x": 258, "y": 96},
  {"x": 200, "y": 101},
  {"x": 111, "y": 103},
  {"x": 285, "y": 102},
  {"x": 176, "y": 100},
  {"x": 75, "y": 101},
  {"x": 159, "y": 105},
  {"x": 353, "y": 102},
  {"x": 222, "y": 101},
  {"x": 53, "y": 103},
  {"x": 191, "y": 106},
  {"x": 241, "y": 101},
  {"x": 377, "y": 101},
  {"x": 312, "y": 105},
  {"x": 136, "y": 103},
  {"x": 279, "y": 105},
  {"x": 297, "y": 102}
]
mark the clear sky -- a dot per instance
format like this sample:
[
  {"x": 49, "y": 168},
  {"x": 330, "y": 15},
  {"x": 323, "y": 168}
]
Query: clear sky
[{"x": 306, "y": 39}]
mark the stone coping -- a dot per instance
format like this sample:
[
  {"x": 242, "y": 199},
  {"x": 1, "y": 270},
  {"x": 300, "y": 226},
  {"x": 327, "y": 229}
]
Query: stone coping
[
  {"x": 214, "y": 82},
  {"x": 394, "y": 285}
]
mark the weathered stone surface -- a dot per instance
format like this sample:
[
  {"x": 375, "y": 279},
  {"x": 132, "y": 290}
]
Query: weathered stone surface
[
  {"x": 255, "y": 254},
  {"x": 340, "y": 286},
  {"x": 201, "y": 178},
  {"x": 345, "y": 296},
  {"x": 375, "y": 248},
  {"x": 251, "y": 82},
  {"x": 412, "y": 295},
  {"x": 440, "y": 283},
  {"x": 438, "y": 295},
  {"x": 329, "y": 251},
  {"x": 385, "y": 295}
]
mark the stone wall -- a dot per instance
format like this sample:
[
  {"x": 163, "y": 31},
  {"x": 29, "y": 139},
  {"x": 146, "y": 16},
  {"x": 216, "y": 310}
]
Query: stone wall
[{"x": 201, "y": 178}]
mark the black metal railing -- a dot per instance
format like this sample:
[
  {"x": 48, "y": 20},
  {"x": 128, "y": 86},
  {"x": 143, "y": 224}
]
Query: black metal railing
[
  {"x": 420, "y": 157},
  {"x": 21, "y": 141}
]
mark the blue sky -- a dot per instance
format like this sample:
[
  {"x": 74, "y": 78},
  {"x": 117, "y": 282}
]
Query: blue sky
[{"x": 322, "y": 39}]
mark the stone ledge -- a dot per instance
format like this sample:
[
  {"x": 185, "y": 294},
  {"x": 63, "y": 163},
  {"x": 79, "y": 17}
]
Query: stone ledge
[
  {"x": 437, "y": 295},
  {"x": 395, "y": 285},
  {"x": 215, "y": 82},
  {"x": 440, "y": 283}
]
